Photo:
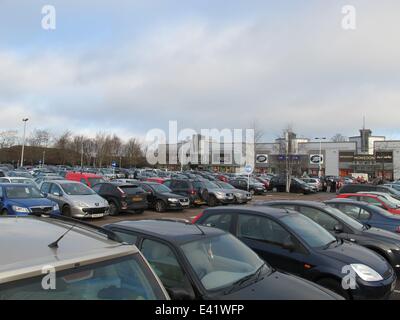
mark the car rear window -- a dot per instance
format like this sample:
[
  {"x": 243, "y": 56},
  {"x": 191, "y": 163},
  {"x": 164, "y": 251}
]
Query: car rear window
[{"x": 131, "y": 189}]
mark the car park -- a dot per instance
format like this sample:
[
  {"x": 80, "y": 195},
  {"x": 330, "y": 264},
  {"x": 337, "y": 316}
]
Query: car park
[
  {"x": 17, "y": 180},
  {"x": 122, "y": 197},
  {"x": 207, "y": 263},
  {"x": 89, "y": 179},
  {"x": 161, "y": 198},
  {"x": 24, "y": 199},
  {"x": 241, "y": 196},
  {"x": 354, "y": 188},
  {"x": 373, "y": 199},
  {"x": 75, "y": 199},
  {"x": 89, "y": 264},
  {"x": 384, "y": 243},
  {"x": 367, "y": 214},
  {"x": 293, "y": 243},
  {"x": 316, "y": 183}
]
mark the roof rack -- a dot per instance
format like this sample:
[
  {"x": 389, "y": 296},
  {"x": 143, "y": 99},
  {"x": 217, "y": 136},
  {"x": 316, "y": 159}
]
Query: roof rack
[{"x": 110, "y": 234}]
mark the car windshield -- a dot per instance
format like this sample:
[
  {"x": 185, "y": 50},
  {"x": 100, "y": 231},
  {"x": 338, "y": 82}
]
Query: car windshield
[
  {"x": 160, "y": 188},
  {"x": 387, "y": 202},
  {"x": 23, "y": 192},
  {"x": 225, "y": 185},
  {"x": 119, "y": 279},
  {"x": 345, "y": 218},
  {"x": 221, "y": 261},
  {"x": 24, "y": 181},
  {"x": 299, "y": 181},
  {"x": 94, "y": 181},
  {"x": 308, "y": 230},
  {"x": 76, "y": 189}
]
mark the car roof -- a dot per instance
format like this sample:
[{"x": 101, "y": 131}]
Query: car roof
[
  {"x": 173, "y": 231},
  {"x": 366, "y": 193},
  {"x": 294, "y": 202},
  {"x": 277, "y": 213},
  {"x": 30, "y": 237},
  {"x": 2, "y": 184},
  {"x": 350, "y": 201}
]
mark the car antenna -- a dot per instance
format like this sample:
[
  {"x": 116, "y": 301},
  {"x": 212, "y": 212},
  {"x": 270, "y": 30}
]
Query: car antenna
[
  {"x": 200, "y": 229},
  {"x": 55, "y": 243}
]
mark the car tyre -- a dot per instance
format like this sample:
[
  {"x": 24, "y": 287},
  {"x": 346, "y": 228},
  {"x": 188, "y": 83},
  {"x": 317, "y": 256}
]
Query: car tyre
[
  {"x": 160, "y": 206},
  {"x": 66, "y": 211},
  {"x": 212, "y": 201},
  {"x": 334, "y": 286},
  {"x": 113, "y": 209},
  {"x": 4, "y": 212}
]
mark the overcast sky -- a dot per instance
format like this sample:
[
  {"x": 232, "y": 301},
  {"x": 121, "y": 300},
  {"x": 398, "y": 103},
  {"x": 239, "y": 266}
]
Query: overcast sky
[{"x": 130, "y": 66}]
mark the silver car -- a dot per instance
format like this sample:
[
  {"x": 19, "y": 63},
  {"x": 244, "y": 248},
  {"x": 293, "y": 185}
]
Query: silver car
[
  {"x": 241, "y": 196},
  {"x": 75, "y": 199}
]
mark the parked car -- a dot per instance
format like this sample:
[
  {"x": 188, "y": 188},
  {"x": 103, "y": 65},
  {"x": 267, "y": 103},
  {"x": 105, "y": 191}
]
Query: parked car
[
  {"x": 241, "y": 196},
  {"x": 161, "y": 198},
  {"x": 368, "y": 214},
  {"x": 354, "y": 188},
  {"x": 385, "y": 243},
  {"x": 373, "y": 199},
  {"x": 122, "y": 197},
  {"x": 207, "y": 263},
  {"x": 296, "y": 186},
  {"x": 88, "y": 264},
  {"x": 21, "y": 174},
  {"x": 293, "y": 243},
  {"x": 75, "y": 199},
  {"x": 254, "y": 187},
  {"x": 89, "y": 179},
  {"x": 316, "y": 183},
  {"x": 24, "y": 199},
  {"x": 40, "y": 179},
  {"x": 264, "y": 181},
  {"x": 395, "y": 186},
  {"x": 384, "y": 195},
  {"x": 17, "y": 180},
  {"x": 190, "y": 188}
]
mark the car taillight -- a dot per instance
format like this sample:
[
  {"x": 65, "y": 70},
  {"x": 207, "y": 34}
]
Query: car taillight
[
  {"x": 193, "y": 192},
  {"x": 196, "y": 218}
]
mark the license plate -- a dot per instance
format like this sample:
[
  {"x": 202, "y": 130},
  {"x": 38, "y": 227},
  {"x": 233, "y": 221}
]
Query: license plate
[
  {"x": 137, "y": 199},
  {"x": 97, "y": 215}
]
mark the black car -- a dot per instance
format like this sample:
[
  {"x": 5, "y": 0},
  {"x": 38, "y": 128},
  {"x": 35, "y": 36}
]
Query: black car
[
  {"x": 206, "y": 263},
  {"x": 161, "y": 198},
  {"x": 122, "y": 197},
  {"x": 291, "y": 242},
  {"x": 278, "y": 183},
  {"x": 254, "y": 187},
  {"x": 356, "y": 188},
  {"x": 385, "y": 243},
  {"x": 367, "y": 213},
  {"x": 189, "y": 188}
]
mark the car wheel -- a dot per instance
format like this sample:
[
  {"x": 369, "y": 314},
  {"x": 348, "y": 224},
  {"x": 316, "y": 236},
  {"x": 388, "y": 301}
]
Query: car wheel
[
  {"x": 334, "y": 286},
  {"x": 66, "y": 211},
  {"x": 113, "y": 208},
  {"x": 4, "y": 212},
  {"x": 160, "y": 206},
  {"x": 212, "y": 201}
]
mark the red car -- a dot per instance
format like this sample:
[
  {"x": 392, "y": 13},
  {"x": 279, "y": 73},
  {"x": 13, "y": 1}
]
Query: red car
[
  {"x": 265, "y": 182},
  {"x": 223, "y": 178},
  {"x": 155, "y": 179},
  {"x": 89, "y": 179},
  {"x": 372, "y": 199}
]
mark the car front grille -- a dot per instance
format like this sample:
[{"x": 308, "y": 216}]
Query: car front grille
[
  {"x": 94, "y": 210},
  {"x": 41, "y": 209}
]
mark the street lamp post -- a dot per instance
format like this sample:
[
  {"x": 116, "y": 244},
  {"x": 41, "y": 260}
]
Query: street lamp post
[
  {"x": 319, "y": 155},
  {"x": 25, "y": 120}
]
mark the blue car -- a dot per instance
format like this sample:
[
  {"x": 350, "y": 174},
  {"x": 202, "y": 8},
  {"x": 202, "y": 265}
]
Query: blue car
[
  {"x": 367, "y": 214},
  {"x": 24, "y": 199}
]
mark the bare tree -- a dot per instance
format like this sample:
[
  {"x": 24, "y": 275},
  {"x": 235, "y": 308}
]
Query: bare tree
[
  {"x": 8, "y": 138},
  {"x": 339, "y": 138},
  {"x": 39, "y": 138},
  {"x": 133, "y": 152}
]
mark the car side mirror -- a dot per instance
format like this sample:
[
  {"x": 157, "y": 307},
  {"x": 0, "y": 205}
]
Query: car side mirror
[
  {"x": 180, "y": 294},
  {"x": 338, "y": 228},
  {"x": 44, "y": 194},
  {"x": 57, "y": 194}
]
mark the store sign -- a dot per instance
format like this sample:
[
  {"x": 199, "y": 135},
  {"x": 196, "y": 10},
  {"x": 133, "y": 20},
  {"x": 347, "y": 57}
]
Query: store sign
[
  {"x": 316, "y": 159},
  {"x": 346, "y": 156},
  {"x": 261, "y": 158},
  {"x": 292, "y": 157},
  {"x": 364, "y": 158},
  {"x": 386, "y": 157}
]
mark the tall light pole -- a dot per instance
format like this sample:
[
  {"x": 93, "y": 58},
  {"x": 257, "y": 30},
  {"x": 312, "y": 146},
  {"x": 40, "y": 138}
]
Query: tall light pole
[
  {"x": 25, "y": 120},
  {"x": 319, "y": 155}
]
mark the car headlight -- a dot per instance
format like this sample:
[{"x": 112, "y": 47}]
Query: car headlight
[
  {"x": 220, "y": 194},
  {"x": 366, "y": 273},
  {"x": 172, "y": 200},
  {"x": 81, "y": 204},
  {"x": 56, "y": 207},
  {"x": 20, "y": 209}
]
